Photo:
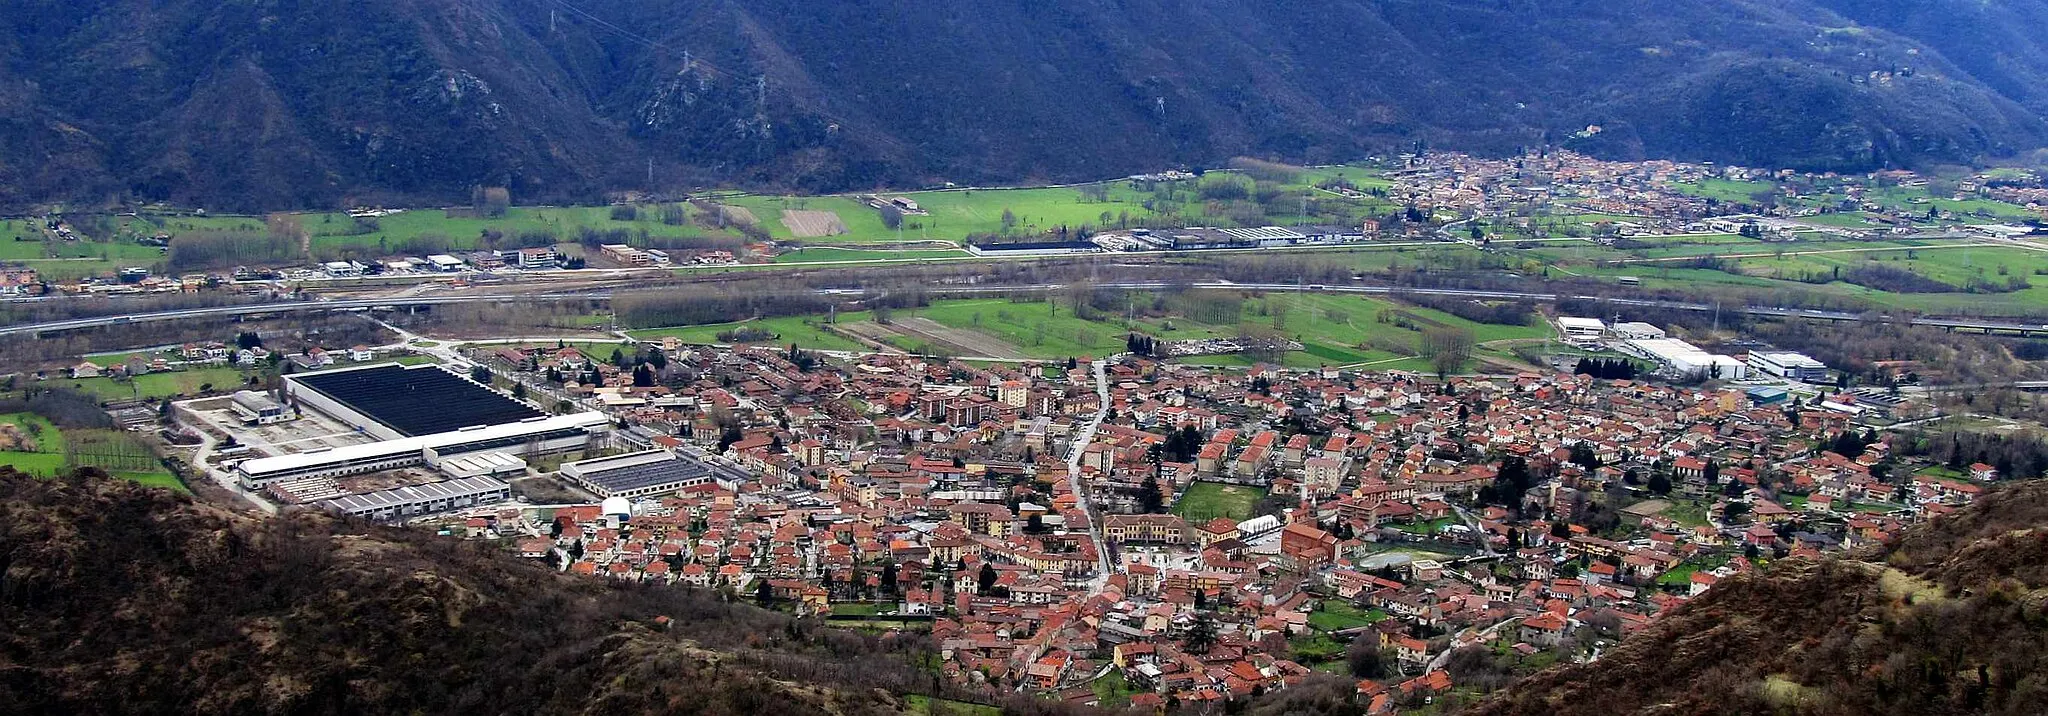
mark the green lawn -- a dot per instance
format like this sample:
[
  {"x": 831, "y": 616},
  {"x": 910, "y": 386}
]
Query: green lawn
[
  {"x": 951, "y": 215},
  {"x": 112, "y": 359},
  {"x": 921, "y": 705},
  {"x": 34, "y": 463},
  {"x": 48, "y": 437},
  {"x": 1334, "y": 329},
  {"x": 49, "y": 458},
  {"x": 1209, "y": 500},
  {"x": 1690, "y": 513},
  {"x": 1724, "y": 190},
  {"x": 337, "y": 230},
  {"x": 1113, "y": 690},
  {"x": 1426, "y": 528},
  {"x": 1915, "y": 200},
  {"x": 1038, "y": 329},
  {"x": 1316, "y": 647},
  {"x": 1942, "y": 472},
  {"x": 854, "y": 609},
  {"x": 159, "y": 385},
  {"x": 1338, "y": 615},
  {"x": 1681, "y": 575}
]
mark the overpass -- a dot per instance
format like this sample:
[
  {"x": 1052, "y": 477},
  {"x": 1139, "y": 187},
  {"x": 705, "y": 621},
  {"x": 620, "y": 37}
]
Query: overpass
[{"x": 358, "y": 304}]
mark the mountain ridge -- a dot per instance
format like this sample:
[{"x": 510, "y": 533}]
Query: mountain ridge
[{"x": 257, "y": 106}]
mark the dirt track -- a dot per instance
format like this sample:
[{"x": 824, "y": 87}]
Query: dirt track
[
  {"x": 972, "y": 343},
  {"x": 810, "y": 224}
]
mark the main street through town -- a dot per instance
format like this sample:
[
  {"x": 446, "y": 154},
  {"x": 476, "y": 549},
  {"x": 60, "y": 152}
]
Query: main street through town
[{"x": 1104, "y": 564}]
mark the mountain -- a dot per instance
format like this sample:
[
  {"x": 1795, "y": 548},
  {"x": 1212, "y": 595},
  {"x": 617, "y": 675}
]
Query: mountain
[
  {"x": 1951, "y": 619},
  {"x": 120, "y": 599},
  {"x": 242, "y": 104}
]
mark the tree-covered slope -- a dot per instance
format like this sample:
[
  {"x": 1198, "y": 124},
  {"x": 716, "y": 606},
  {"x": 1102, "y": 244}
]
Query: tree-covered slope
[
  {"x": 1952, "y": 619},
  {"x": 246, "y": 104},
  {"x": 116, "y": 598}
]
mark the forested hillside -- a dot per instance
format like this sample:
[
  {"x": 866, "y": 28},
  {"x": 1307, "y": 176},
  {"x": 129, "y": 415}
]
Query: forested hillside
[
  {"x": 1950, "y": 619},
  {"x": 116, "y": 598},
  {"x": 260, "y": 105}
]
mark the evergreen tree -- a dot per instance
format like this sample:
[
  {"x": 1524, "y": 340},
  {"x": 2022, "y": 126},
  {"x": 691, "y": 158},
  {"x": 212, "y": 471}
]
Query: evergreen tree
[
  {"x": 1659, "y": 484},
  {"x": 1150, "y": 499},
  {"x": 1201, "y": 634},
  {"x": 986, "y": 580}
]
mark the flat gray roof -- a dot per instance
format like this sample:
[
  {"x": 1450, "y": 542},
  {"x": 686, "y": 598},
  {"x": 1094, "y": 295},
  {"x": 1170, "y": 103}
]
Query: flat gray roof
[{"x": 400, "y": 496}]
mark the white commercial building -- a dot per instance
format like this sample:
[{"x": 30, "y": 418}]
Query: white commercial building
[
  {"x": 257, "y": 408},
  {"x": 1686, "y": 359},
  {"x": 1581, "y": 330},
  {"x": 1635, "y": 331},
  {"x": 1788, "y": 365}
]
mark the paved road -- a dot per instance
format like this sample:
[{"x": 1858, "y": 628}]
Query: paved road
[
  {"x": 1104, "y": 565},
  {"x": 368, "y": 303},
  {"x": 223, "y": 478}
]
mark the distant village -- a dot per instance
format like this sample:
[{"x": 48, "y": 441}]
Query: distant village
[{"x": 1646, "y": 199}]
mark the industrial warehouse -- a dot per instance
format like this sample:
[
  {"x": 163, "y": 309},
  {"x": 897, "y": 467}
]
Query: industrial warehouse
[
  {"x": 650, "y": 472},
  {"x": 392, "y": 401},
  {"x": 399, "y": 503},
  {"x": 419, "y": 415},
  {"x": 533, "y": 436}
]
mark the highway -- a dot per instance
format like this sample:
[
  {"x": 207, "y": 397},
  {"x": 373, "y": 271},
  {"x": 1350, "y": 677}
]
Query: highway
[{"x": 1987, "y": 325}]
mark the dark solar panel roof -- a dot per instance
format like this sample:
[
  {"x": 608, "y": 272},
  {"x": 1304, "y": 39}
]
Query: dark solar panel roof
[
  {"x": 634, "y": 477},
  {"x": 417, "y": 401}
]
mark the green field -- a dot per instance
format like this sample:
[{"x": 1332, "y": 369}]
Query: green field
[
  {"x": 157, "y": 385},
  {"x": 1426, "y": 528},
  {"x": 800, "y": 330},
  {"x": 831, "y": 253},
  {"x": 113, "y": 359},
  {"x": 950, "y": 215},
  {"x": 49, "y": 457},
  {"x": 1681, "y": 575},
  {"x": 1338, "y": 615},
  {"x": 953, "y": 214},
  {"x": 338, "y": 231},
  {"x": 1040, "y": 329},
  {"x": 1335, "y": 330},
  {"x": 1209, "y": 500},
  {"x": 1724, "y": 190},
  {"x": 1113, "y": 690},
  {"x": 1912, "y": 200}
]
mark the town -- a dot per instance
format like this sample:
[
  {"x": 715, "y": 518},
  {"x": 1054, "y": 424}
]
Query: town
[
  {"x": 1121, "y": 531},
  {"x": 1184, "y": 483}
]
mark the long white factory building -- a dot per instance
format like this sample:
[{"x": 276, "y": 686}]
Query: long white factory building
[
  {"x": 1687, "y": 359},
  {"x": 533, "y": 436}
]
